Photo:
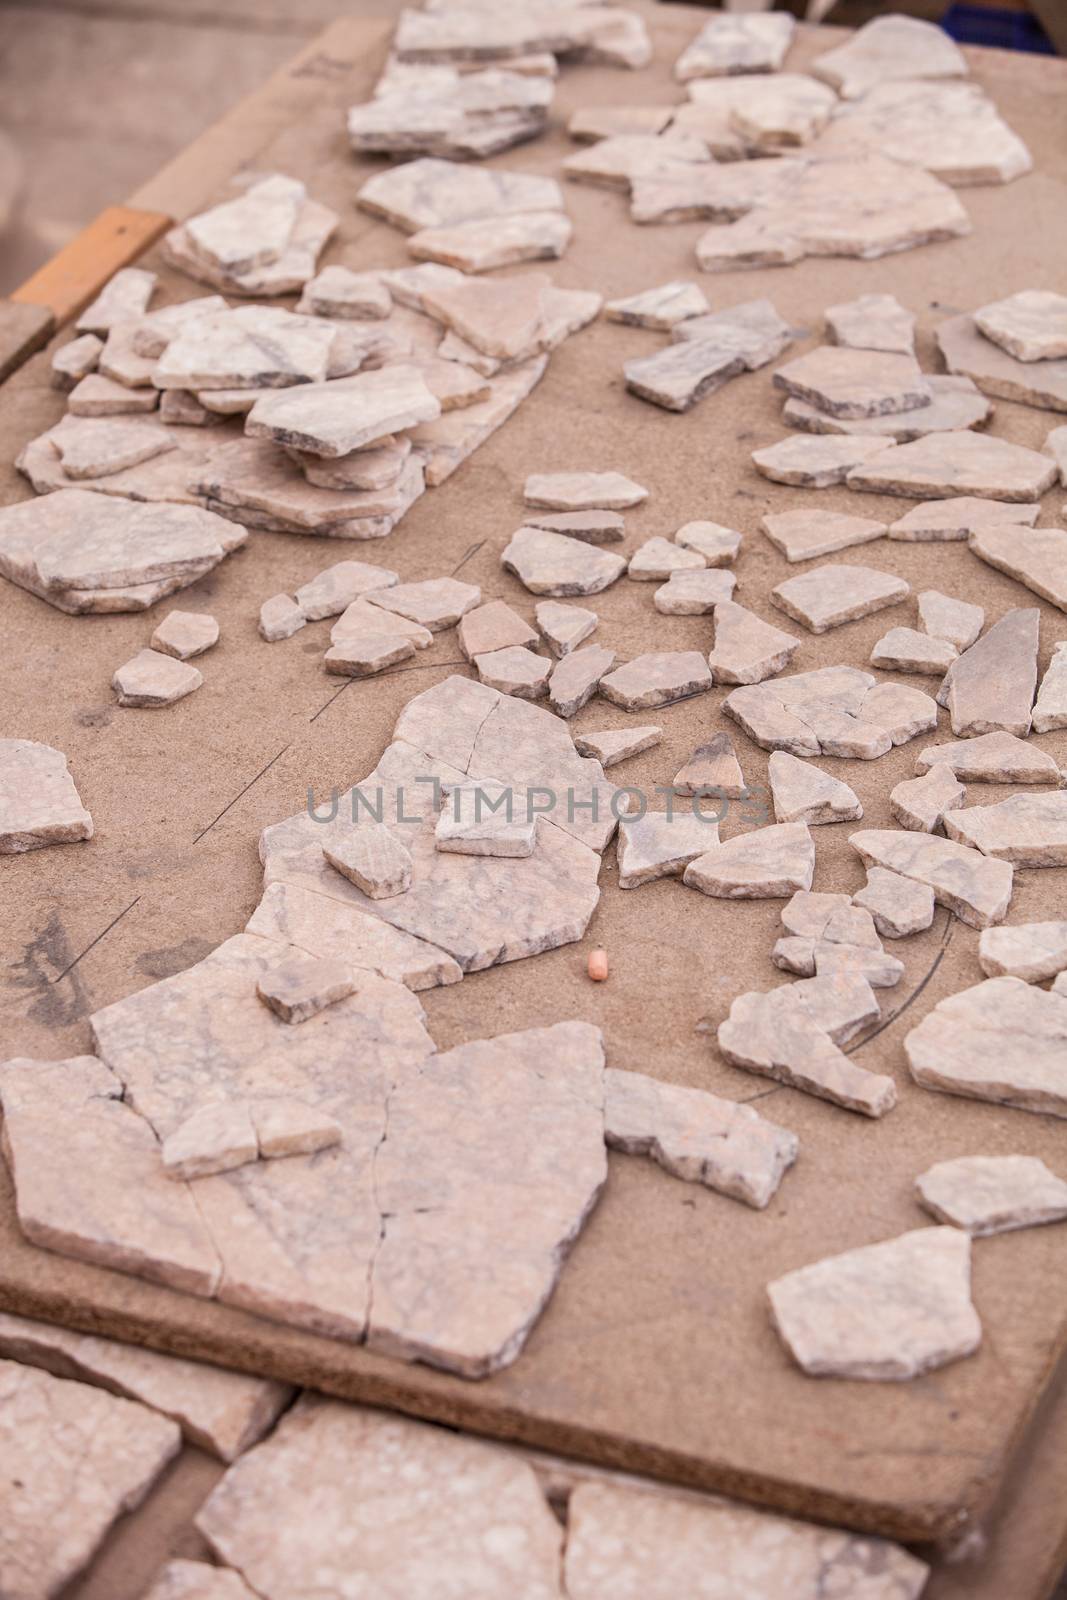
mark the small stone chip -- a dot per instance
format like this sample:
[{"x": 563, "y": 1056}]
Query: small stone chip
[
  {"x": 280, "y": 617},
  {"x": 747, "y": 649},
  {"x": 693, "y": 593},
  {"x": 919, "y": 804},
  {"x": 990, "y": 687},
  {"x": 330, "y": 592},
  {"x": 801, "y": 535},
  {"x": 582, "y": 491},
  {"x": 435, "y": 603},
  {"x": 151, "y": 679},
  {"x": 825, "y": 597},
  {"x": 563, "y": 628},
  {"x": 656, "y": 679},
  {"x": 490, "y": 627},
  {"x": 680, "y": 374},
  {"x": 371, "y": 857},
  {"x": 297, "y": 988},
  {"x": 713, "y": 768},
  {"x": 360, "y": 619},
  {"x": 1032, "y": 951},
  {"x": 855, "y": 383},
  {"x": 944, "y": 617},
  {"x": 718, "y": 545},
  {"x": 576, "y": 678},
  {"x": 659, "y": 308},
  {"x": 486, "y": 819},
  {"x": 658, "y": 558},
  {"x": 908, "y": 650},
  {"x": 611, "y": 745},
  {"x": 872, "y": 322},
  {"x": 957, "y": 518},
  {"x": 885, "y": 1311},
  {"x": 595, "y": 527},
  {"x": 1050, "y": 707},
  {"x": 899, "y": 906},
  {"x": 217, "y": 1138},
  {"x": 752, "y": 331},
  {"x": 992, "y": 1194},
  {"x": 803, "y": 793},
  {"x": 516, "y": 670},
  {"x": 992, "y": 758},
  {"x": 39, "y": 804},
  {"x": 661, "y": 845},
  {"x": 1030, "y": 325},
  {"x": 362, "y": 655},
  {"x": 970, "y": 884},
  {"x": 185, "y": 633},
  {"x": 551, "y": 564},
  {"x": 815, "y": 461},
  {"x": 1002, "y": 1040},
  {"x": 767, "y": 863},
  {"x": 123, "y": 298}
]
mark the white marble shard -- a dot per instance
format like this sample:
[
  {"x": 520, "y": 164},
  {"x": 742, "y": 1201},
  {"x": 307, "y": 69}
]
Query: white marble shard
[
  {"x": 314, "y": 227},
  {"x": 372, "y": 858},
  {"x": 95, "y": 447},
  {"x": 1028, "y": 829},
  {"x": 693, "y": 593},
  {"x": 251, "y": 231},
  {"x": 430, "y": 193},
  {"x": 973, "y": 886},
  {"x": 333, "y": 419},
  {"x": 815, "y": 461},
  {"x": 802, "y": 535},
  {"x": 747, "y": 650},
  {"x": 958, "y": 517},
  {"x": 955, "y": 403},
  {"x": 486, "y": 819},
  {"x": 656, "y": 679},
  {"x": 515, "y": 669},
  {"x": 1002, "y": 1040},
  {"x": 899, "y": 906},
  {"x": 718, "y": 545},
  {"x": 216, "y": 1138},
  {"x": 360, "y": 619},
  {"x": 886, "y": 49},
  {"x": 792, "y": 1034},
  {"x": 659, "y": 844},
  {"x": 660, "y": 308},
  {"x": 251, "y": 347},
  {"x": 966, "y": 351},
  {"x": 76, "y": 359},
  {"x": 492, "y": 626},
  {"x": 872, "y": 322},
  {"x": 768, "y": 863},
  {"x": 656, "y": 560},
  {"x": 855, "y": 384},
  {"x": 185, "y": 633},
  {"x": 803, "y": 793},
  {"x": 753, "y": 331},
  {"x": 463, "y": 116},
  {"x": 990, "y": 687},
  {"x": 713, "y": 768},
  {"x": 279, "y": 618},
  {"x": 1032, "y": 951},
  {"x": 919, "y": 804},
  {"x": 576, "y": 677},
  {"x": 39, "y": 803},
  {"x": 611, "y": 745},
  {"x": 992, "y": 758},
  {"x": 782, "y": 112},
  {"x": 563, "y": 628},
  {"x": 908, "y": 650},
  {"x": 338, "y": 291},
  {"x": 827, "y": 596},
  {"x": 299, "y": 987},
  {"x": 730, "y": 43},
  {"x": 151, "y": 680},
  {"x": 992, "y": 1194},
  {"x": 946, "y": 465},
  {"x": 680, "y": 374},
  {"x": 1050, "y": 707},
  {"x": 97, "y": 396},
  {"x": 487, "y": 242},
  {"x": 434, "y": 603},
  {"x": 625, "y": 159},
  {"x": 891, "y": 1310},
  {"x": 551, "y": 564},
  {"x": 697, "y": 1137},
  {"x": 124, "y": 297},
  {"x": 942, "y": 616},
  {"x": 501, "y": 317},
  {"x": 1035, "y": 556},
  {"x": 1030, "y": 325},
  {"x": 333, "y": 590},
  {"x": 582, "y": 491}
]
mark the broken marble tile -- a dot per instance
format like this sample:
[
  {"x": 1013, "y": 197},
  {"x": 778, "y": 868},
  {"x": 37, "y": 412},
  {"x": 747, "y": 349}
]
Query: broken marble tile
[
  {"x": 1032, "y": 951},
  {"x": 39, "y": 804},
  {"x": 258, "y": 485},
  {"x": 1034, "y": 556},
  {"x": 753, "y": 331},
  {"x": 486, "y": 242},
  {"x": 372, "y": 858},
  {"x": 185, "y": 633},
  {"x": 746, "y": 648},
  {"x": 95, "y": 447},
  {"x": 502, "y": 317},
  {"x": 360, "y": 619},
  {"x": 872, "y": 322},
  {"x": 680, "y": 374},
  {"x": 974, "y": 886},
  {"x": 662, "y": 844},
  {"x": 333, "y": 419},
  {"x": 966, "y": 351},
  {"x": 948, "y": 464},
  {"x": 792, "y": 1034},
  {"x": 75, "y": 1458},
  {"x": 196, "y": 1580},
  {"x": 97, "y": 396},
  {"x": 619, "y": 162},
  {"x": 250, "y": 231},
  {"x": 75, "y": 361},
  {"x": 124, "y": 297},
  {"x": 1028, "y": 829},
  {"x": 886, "y": 49},
  {"x": 833, "y": 711},
  {"x": 992, "y": 1194},
  {"x": 1002, "y": 1040},
  {"x": 250, "y": 347},
  {"x": 486, "y": 819},
  {"x": 844, "y": 960},
  {"x": 958, "y": 518},
  {"x": 464, "y": 116},
  {"x": 691, "y": 593},
  {"x": 218, "y": 1137},
  {"x": 853, "y": 383},
  {"x": 660, "y": 308},
  {"x": 1030, "y": 325},
  {"x": 300, "y": 986},
  {"x": 332, "y": 591},
  {"x": 181, "y": 408},
  {"x": 517, "y": 670},
  {"x": 718, "y": 545},
  {"x": 291, "y": 1128},
  {"x": 1055, "y": 445},
  {"x": 610, "y": 745},
  {"x": 150, "y": 679},
  {"x": 594, "y": 527},
  {"x": 658, "y": 558},
  {"x": 714, "y": 110},
  {"x": 942, "y": 616},
  {"x": 1050, "y": 707},
  {"x": 801, "y": 535},
  {"x": 908, "y": 650},
  {"x": 732, "y": 43},
  {"x": 919, "y": 804},
  {"x": 892, "y": 1310},
  {"x": 827, "y": 596},
  {"x": 815, "y": 461},
  {"x": 955, "y": 403},
  {"x": 767, "y": 863},
  {"x": 808, "y": 915},
  {"x": 991, "y": 686},
  {"x": 376, "y": 466},
  {"x": 803, "y": 793},
  {"x": 696, "y": 1136},
  {"x": 493, "y": 627},
  {"x": 576, "y": 677},
  {"x": 552, "y": 564},
  {"x": 712, "y": 769},
  {"x": 582, "y": 491},
  {"x": 563, "y": 628},
  {"x": 431, "y": 193},
  {"x": 783, "y": 110},
  {"x": 279, "y": 618},
  {"x": 434, "y": 603},
  {"x": 362, "y": 655},
  {"x": 434, "y": 1501},
  {"x": 339, "y": 292},
  {"x": 992, "y": 758},
  {"x": 900, "y": 906},
  {"x": 656, "y": 679}
]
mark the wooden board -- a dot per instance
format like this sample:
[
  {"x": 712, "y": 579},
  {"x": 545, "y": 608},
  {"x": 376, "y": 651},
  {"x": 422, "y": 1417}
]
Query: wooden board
[
  {"x": 656, "y": 1352},
  {"x": 72, "y": 279}
]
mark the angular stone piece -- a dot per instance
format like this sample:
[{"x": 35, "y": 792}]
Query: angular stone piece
[
  {"x": 486, "y": 819},
  {"x": 1002, "y": 1040},
  {"x": 886, "y": 49},
  {"x": 551, "y": 564},
  {"x": 332, "y": 591},
  {"x": 75, "y": 1458},
  {"x": 502, "y": 317},
  {"x": 753, "y": 331},
  {"x": 853, "y": 383},
  {"x": 300, "y": 986},
  {"x": 801, "y": 535},
  {"x": 516, "y": 670},
  {"x": 908, "y": 650},
  {"x": 1055, "y": 445},
  {"x": 680, "y": 374},
  {"x": 280, "y": 617},
  {"x": 661, "y": 845},
  {"x": 594, "y": 527},
  {"x": 786, "y": 110},
  {"x": 435, "y": 603},
  {"x": 181, "y": 408},
  {"x": 825, "y": 597},
  {"x": 767, "y": 863},
  {"x": 1037, "y": 557},
  {"x": 807, "y": 915},
  {"x": 360, "y": 619},
  {"x": 1050, "y": 707},
  {"x": 697, "y": 1137},
  {"x": 972, "y": 885},
  {"x": 966, "y": 351},
  {"x": 362, "y": 655},
  {"x": 792, "y": 1034},
  {"x": 815, "y": 461},
  {"x": 942, "y": 616},
  {"x": 39, "y": 804},
  {"x": 346, "y": 295},
  {"x": 610, "y": 745},
  {"x": 713, "y": 768},
  {"x": 291, "y": 1128},
  {"x": 919, "y": 804},
  {"x": 803, "y": 793},
  {"x": 692, "y": 593},
  {"x": 656, "y": 679},
  {"x": 185, "y": 633},
  {"x": 96, "y": 396},
  {"x": 747, "y": 649},
  {"x": 899, "y": 906},
  {"x": 992, "y": 758},
  {"x": 872, "y": 322},
  {"x": 992, "y": 1194},
  {"x": 196, "y": 1580},
  {"x": 216, "y": 1138},
  {"x": 576, "y": 678},
  {"x": 487, "y": 242},
  {"x": 76, "y": 359},
  {"x": 372, "y": 858},
  {"x": 445, "y": 444},
  {"x": 659, "y": 308},
  {"x": 493, "y": 627},
  {"x": 582, "y": 491},
  {"x": 620, "y": 162},
  {"x": 944, "y": 465},
  {"x": 957, "y": 518},
  {"x": 954, "y": 403},
  {"x": 333, "y": 419},
  {"x": 1032, "y": 951},
  {"x": 734, "y": 43},
  {"x": 884, "y": 1311},
  {"x": 718, "y": 545},
  {"x": 432, "y": 193},
  {"x": 990, "y": 687},
  {"x": 658, "y": 558},
  {"x": 124, "y": 297},
  {"x": 250, "y": 231},
  {"x": 252, "y": 347},
  {"x": 377, "y": 466},
  {"x": 838, "y": 711},
  {"x": 563, "y": 628},
  {"x": 1029, "y": 829},
  {"x": 288, "y": 273},
  {"x": 1030, "y": 325},
  {"x": 152, "y": 679}
]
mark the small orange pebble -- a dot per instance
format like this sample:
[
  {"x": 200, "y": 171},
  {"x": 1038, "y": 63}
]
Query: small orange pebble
[{"x": 598, "y": 965}]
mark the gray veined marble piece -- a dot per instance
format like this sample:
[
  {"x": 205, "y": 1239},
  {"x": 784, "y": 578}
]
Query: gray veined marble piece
[
  {"x": 338, "y": 291},
  {"x": 965, "y": 350},
  {"x": 804, "y": 793},
  {"x": 833, "y": 711},
  {"x": 975, "y": 887},
  {"x": 661, "y": 844},
  {"x": 611, "y": 745},
  {"x": 1028, "y": 829},
  {"x": 430, "y": 193},
  {"x": 680, "y": 374},
  {"x": 737, "y": 43},
  {"x": 768, "y": 863},
  {"x": 694, "y": 593},
  {"x": 576, "y": 677},
  {"x": 287, "y": 274},
  {"x": 661, "y": 308},
  {"x": 97, "y": 396},
  {"x": 251, "y": 347},
  {"x": 434, "y": 603},
  {"x": 97, "y": 446},
  {"x": 958, "y": 517},
  {"x": 658, "y": 559},
  {"x": 622, "y": 161},
  {"x": 753, "y": 331},
  {"x": 1002, "y": 1041},
  {"x": 487, "y": 242},
  {"x": 250, "y": 231},
  {"x": 855, "y": 384},
  {"x": 563, "y": 628},
  {"x": 491, "y": 627}
]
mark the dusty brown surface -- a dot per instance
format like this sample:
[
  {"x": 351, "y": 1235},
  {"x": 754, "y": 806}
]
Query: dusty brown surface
[{"x": 656, "y": 1351}]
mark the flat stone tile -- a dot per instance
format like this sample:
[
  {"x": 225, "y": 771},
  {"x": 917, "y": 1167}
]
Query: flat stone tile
[
  {"x": 576, "y": 677},
  {"x": 445, "y": 444},
  {"x": 803, "y": 534},
  {"x": 1030, "y": 325},
  {"x": 372, "y": 858},
  {"x": 1034, "y": 556},
  {"x": 990, "y": 688},
  {"x": 955, "y": 403},
  {"x": 250, "y": 231},
  {"x": 693, "y": 593},
  {"x": 769, "y": 862},
  {"x": 753, "y": 331},
  {"x": 249, "y": 347},
  {"x": 886, "y": 49},
  {"x": 181, "y": 408},
  {"x": 1028, "y": 829},
  {"x": 517, "y": 670},
  {"x": 1032, "y": 951},
  {"x": 899, "y": 906},
  {"x": 951, "y": 130},
  {"x": 992, "y": 758},
  {"x": 39, "y": 803},
  {"x": 855, "y": 384},
  {"x": 218, "y": 1137},
  {"x": 333, "y": 590},
  {"x": 718, "y": 545},
  {"x": 97, "y": 396},
  {"x": 658, "y": 558},
  {"x": 279, "y": 618},
  {"x": 712, "y": 768},
  {"x": 919, "y": 804},
  {"x": 433, "y": 193},
  {"x": 301, "y": 986},
  {"x": 908, "y": 650},
  {"x": 1000, "y": 1041},
  {"x": 611, "y": 745},
  {"x": 486, "y": 242},
  {"x": 491, "y": 627},
  {"x": 803, "y": 793},
  {"x": 96, "y": 447},
  {"x": 151, "y": 680},
  {"x": 872, "y": 322},
  {"x": 377, "y": 466},
  {"x": 837, "y": 711},
  {"x": 660, "y": 308},
  {"x": 287, "y": 274},
  {"x": 563, "y": 628},
  {"x": 503, "y": 317},
  {"x": 656, "y": 679},
  {"x": 732, "y": 43},
  {"x": 951, "y": 464},
  {"x": 594, "y": 527},
  {"x": 590, "y": 123},
  {"x": 680, "y": 374},
  {"x": 661, "y": 845},
  {"x": 185, "y": 633},
  {"x": 992, "y": 1194},
  {"x": 582, "y": 491},
  {"x": 783, "y": 111},
  {"x": 616, "y": 163},
  {"x": 827, "y": 596},
  {"x": 942, "y": 616},
  {"x": 958, "y": 517},
  {"x": 552, "y": 564},
  {"x": 434, "y": 603},
  {"x": 333, "y": 419},
  {"x": 965, "y": 350},
  {"x": 125, "y": 296},
  {"x": 973, "y": 886},
  {"x": 340, "y": 292},
  {"x": 747, "y": 649},
  {"x": 814, "y": 462}
]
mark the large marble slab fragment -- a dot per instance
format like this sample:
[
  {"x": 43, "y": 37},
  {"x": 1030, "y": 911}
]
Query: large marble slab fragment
[
  {"x": 974, "y": 886},
  {"x": 1037, "y": 557},
  {"x": 729, "y": 44},
  {"x": 333, "y": 419},
  {"x": 992, "y": 758},
  {"x": 990, "y": 687},
  {"x": 1028, "y": 829},
  {"x": 430, "y": 193},
  {"x": 1002, "y": 1040},
  {"x": 39, "y": 803},
  {"x": 943, "y": 465},
  {"x": 952, "y": 130},
  {"x": 888, "y": 49},
  {"x": 966, "y": 351},
  {"x": 753, "y": 330},
  {"x": 838, "y": 711},
  {"x": 769, "y": 862}
]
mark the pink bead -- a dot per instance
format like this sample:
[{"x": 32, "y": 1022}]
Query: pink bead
[{"x": 598, "y": 965}]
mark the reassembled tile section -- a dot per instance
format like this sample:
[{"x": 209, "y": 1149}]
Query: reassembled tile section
[
  {"x": 975, "y": 887},
  {"x": 833, "y": 711}
]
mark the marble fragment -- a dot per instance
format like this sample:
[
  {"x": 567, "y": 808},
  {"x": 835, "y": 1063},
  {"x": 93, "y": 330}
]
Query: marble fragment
[
  {"x": 333, "y": 419},
  {"x": 656, "y": 679},
  {"x": 718, "y": 545},
  {"x": 582, "y": 491},
  {"x": 124, "y": 297},
  {"x": 974, "y": 886},
  {"x": 185, "y": 633},
  {"x": 300, "y": 986},
  {"x": 96, "y": 447},
  {"x": 661, "y": 844},
  {"x": 372, "y": 858},
  {"x": 792, "y": 1034},
  {"x": 363, "y": 655},
  {"x": 594, "y": 527},
  {"x": 801, "y": 535},
  {"x": 697, "y": 1137},
  {"x": 552, "y": 564},
  {"x": 487, "y": 242},
  {"x": 951, "y": 130},
  {"x": 872, "y": 322},
  {"x": 611, "y": 745},
  {"x": 486, "y": 819},
  {"x": 150, "y": 679},
  {"x": 732, "y": 43},
  {"x": 492, "y": 627},
  {"x": 279, "y": 618},
  {"x": 1036, "y": 557},
  {"x": 445, "y": 444},
  {"x": 517, "y": 670},
  {"x": 339, "y": 292},
  {"x": 891, "y": 1310},
  {"x": 576, "y": 677},
  {"x": 660, "y": 308},
  {"x": 76, "y": 359},
  {"x": 692, "y": 592},
  {"x": 942, "y": 616},
  {"x": 747, "y": 649},
  {"x": 39, "y": 803},
  {"x": 716, "y": 106},
  {"x": 836, "y": 711},
  {"x": 752, "y": 331},
  {"x": 1055, "y": 445},
  {"x": 992, "y": 1194},
  {"x": 855, "y": 384},
  {"x": 955, "y": 403},
  {"x": 251, "y": 347},
  {"x": 958, "y": 517},
  {"x": 886, "y": 49},
  {"x": 97, "y": 396},
  {"x": 967, "y": 352},
  {"x": 433, "y": 193},
  {"x": 1050, "y": 707},
  {"x": 376, "y": 466},
  {"x": 950, "y": 464},
  {"x": 563, "y": 628},
  {"x": 619, "y": 162},
  {"x": 900, "y": 906},
  {"x": 1030, "y": 325},
  {"x": 990, "y": 687},
  {"x": 1032, "y": 951},
  {"x": 1002, "y": 1040},
  {"x": 680, "y": 374},
  {"x": 250, "y": 231},
  {"x": 908, "y": 650},
  {"x": 291, "y": 1128},
  {"x": 827, "y": 596},
  {"x": 808, "y": 915},
  {"x": 803, "y": 793},
  {"x": 815, "y": 461},
  {"x": 196, "y": 1580},
  {"x": 658, "y": 558},
  {"x": 434, "y": 603},
  {"x": 333, "y": 590},
  {"x": 503, "y": 317},
  {"x": 713, "y": 768},
  {"x": 1028, "y": 829},
  {"x": 992, "y": 758},
  {"x": 767, "y": 863},
  {"x": 919, "y": 804},
  {"x": 464, "y": 116},
  {"x": 360, "y": 619}
]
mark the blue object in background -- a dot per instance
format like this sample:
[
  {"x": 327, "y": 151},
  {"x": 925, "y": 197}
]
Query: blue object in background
[{"x": 1003, "y": 30}]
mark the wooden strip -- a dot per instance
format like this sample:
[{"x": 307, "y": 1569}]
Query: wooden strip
[
  {"x": 74, "y": 277},
  {"x": 23, "y": 329}
]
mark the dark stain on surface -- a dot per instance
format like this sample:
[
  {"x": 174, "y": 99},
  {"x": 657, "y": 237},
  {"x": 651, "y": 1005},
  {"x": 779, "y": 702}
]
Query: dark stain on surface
[
  {"x": 46, "y": 971},
  {"x": 172, "y": 958},
  {"x": 94, "y": 716}
]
